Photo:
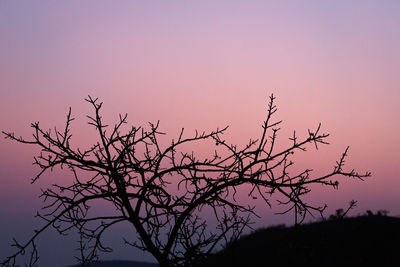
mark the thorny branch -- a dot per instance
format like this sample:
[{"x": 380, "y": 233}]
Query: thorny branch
[{"x": 162, "y": 191}]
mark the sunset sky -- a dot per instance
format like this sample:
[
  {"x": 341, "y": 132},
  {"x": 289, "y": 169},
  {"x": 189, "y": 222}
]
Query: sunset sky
[{"x": 202, "y": 65}]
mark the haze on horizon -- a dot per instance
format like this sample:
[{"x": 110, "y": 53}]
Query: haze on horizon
[{"x": 202, "y": 66}]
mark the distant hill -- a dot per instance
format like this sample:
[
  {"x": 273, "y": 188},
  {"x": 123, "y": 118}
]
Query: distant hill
[
  {"x": 360, "y": 241},
  {"x": 120, "y": 263}
]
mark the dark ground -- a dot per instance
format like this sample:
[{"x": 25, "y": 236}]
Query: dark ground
[
  {"x": 120, "y": 263},
  {"x": 360, "y": 241}
]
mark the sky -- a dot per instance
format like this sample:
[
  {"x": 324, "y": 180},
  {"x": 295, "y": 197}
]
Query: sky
[{"x": 202, "y": 65}]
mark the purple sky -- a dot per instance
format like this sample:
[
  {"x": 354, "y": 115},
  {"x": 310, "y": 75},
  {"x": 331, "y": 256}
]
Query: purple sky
[{"x": 201, "y": 66}]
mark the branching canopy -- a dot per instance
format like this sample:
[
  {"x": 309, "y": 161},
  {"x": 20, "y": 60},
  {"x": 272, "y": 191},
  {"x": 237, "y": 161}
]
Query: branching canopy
[{"x": 161, "y": 190}]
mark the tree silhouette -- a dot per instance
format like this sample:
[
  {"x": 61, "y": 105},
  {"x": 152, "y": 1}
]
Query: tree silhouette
[{"x": 162, "y": 190}]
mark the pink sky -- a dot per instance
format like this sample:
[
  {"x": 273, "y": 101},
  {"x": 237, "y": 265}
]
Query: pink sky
[{"x": 201, "y": 66}]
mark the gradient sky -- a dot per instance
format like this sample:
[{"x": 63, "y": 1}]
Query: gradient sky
[{"x": 202, "y": 65}]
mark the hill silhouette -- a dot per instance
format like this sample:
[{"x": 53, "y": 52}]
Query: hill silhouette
[
  {"x": 360, "y": 241},
  {"x": 357, "y": 241}
]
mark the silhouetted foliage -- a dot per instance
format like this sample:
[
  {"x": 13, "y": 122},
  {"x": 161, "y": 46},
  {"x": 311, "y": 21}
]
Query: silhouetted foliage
[
  {"x": 382, "y": 212},
  {"x": 161, "y": 190},
  {"x": 341, "y": 213},
  {"x": 378, "y": 213}
]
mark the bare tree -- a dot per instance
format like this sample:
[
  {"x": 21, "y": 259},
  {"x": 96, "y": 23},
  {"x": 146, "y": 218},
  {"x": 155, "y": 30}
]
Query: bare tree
[{"x": 161, "y": 190}]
